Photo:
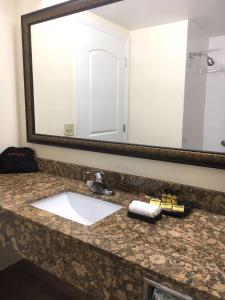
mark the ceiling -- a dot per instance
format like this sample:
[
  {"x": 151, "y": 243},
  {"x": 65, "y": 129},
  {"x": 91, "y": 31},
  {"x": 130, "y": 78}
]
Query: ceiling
[{"x": 209, "y": 15}]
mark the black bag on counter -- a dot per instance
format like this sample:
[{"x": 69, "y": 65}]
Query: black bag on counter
[{"x": 18, "y": 160}]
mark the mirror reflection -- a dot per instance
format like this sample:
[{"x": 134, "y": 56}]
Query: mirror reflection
[{"x": 146, "y": 72}]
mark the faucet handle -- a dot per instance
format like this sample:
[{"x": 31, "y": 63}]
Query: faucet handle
[{"x": 99, "y": 175}]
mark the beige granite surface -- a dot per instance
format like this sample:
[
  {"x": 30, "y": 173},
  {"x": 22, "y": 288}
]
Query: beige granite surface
[{"x": 109, "y": 259}]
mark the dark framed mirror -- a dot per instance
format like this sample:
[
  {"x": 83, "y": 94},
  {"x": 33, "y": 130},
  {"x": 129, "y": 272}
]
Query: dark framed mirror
[{"x": 128, "y": 78}]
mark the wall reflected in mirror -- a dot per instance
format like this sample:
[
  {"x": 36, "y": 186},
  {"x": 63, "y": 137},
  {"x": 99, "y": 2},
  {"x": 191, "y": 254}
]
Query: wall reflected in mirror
[{"x": 148, "y": 72}]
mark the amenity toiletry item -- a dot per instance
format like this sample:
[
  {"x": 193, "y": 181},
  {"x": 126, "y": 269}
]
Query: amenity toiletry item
[
  {"x": 155, "y": 201},
  {"x": 170, "y": 196},
  {"x": 144, "y": 211},
  {"x": 175, "y": 210},
  {"x": 169, "y": 204},
  {"x": 178, "y": 208}
]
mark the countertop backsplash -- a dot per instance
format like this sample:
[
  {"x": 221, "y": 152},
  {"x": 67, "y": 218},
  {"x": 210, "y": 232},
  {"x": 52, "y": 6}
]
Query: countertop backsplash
[{"x": 209, "y": 200}]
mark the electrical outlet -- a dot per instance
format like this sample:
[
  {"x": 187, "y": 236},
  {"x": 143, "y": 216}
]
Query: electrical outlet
[{"x": 69, "y": 129}]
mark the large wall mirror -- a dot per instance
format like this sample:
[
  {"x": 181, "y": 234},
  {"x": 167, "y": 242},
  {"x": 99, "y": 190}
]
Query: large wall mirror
[{"x": 136, "y": 77}]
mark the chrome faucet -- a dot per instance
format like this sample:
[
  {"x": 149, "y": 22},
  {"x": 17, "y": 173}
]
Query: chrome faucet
[
  {"x": 98, "y": 185},
  {"x": 99, "y": 176}
]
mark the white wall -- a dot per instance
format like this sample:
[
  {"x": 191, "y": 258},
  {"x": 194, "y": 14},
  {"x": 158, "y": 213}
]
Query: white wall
[
  {"x": 8, "y": 101},
  {"x": 157, "y": 80},
  {"x": 53, "y": 75},
  {"x": 186, "y": 174},
  {"x": 195, "y": 90},
  {"x": 215, "y": 100}
]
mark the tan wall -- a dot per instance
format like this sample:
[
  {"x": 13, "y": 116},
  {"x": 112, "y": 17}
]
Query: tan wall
[
  {"x": 53, "y": 76},
  {"x": 8, "y": 101},
  {"x": 8, "y": 105},
  {"x": 186, "y": 174},
  {"x": 157, "y": 80}
]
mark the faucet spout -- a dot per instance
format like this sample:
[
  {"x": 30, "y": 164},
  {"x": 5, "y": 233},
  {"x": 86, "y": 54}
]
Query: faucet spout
[{"x": 98, "y": 185}]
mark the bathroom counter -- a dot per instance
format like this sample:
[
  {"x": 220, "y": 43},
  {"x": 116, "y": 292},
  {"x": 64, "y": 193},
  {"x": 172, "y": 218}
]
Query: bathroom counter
[{"x": 112, "y": 256}]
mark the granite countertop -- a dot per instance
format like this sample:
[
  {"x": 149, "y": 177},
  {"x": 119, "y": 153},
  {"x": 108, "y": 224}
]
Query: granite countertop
[{"x": 190, "y": 251}]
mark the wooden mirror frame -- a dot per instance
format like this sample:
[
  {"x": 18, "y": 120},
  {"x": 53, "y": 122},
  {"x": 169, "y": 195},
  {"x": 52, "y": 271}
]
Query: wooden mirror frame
[{"x": 206, "y": 159}]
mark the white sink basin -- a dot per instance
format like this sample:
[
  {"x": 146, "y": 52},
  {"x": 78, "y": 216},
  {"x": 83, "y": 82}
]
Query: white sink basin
[{"x": 76, "y": 207}]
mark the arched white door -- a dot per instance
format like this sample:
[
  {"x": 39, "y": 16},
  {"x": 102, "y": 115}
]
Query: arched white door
[{"x": 101, "y": 86}]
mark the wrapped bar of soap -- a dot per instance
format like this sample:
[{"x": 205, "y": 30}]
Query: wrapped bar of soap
[
  {"x": 144, "y": 211},
  {"x": 167, "y": 206},
  {"x": 178, "y": 208},
  {"x": 155, "y": 201}
]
